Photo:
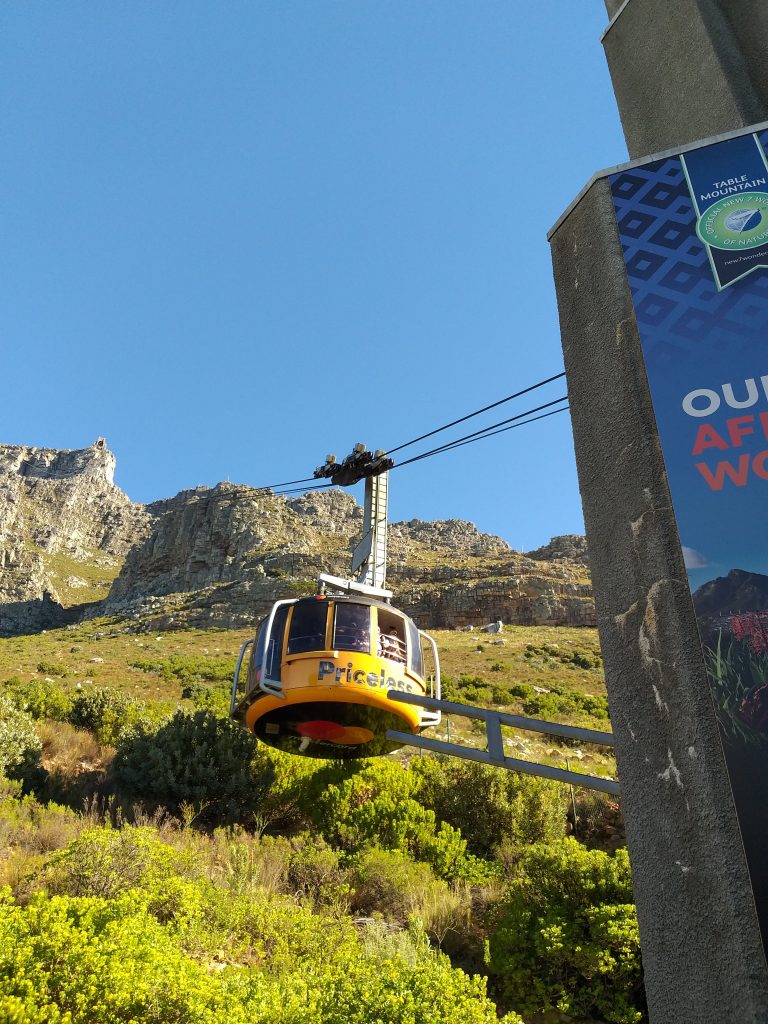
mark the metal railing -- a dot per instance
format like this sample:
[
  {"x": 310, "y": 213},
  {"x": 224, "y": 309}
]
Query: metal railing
[{"x": 494, "y": 752}]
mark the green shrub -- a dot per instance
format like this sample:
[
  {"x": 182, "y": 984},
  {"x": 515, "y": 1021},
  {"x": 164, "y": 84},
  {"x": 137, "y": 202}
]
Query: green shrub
[
  {"x": 91, "y": 961},
  {"x": 52, "y": 668},
  {"x": 29, "y": 825},
  {"x": 106, "y": 862},
  {"x": 315, "y": 872},
  {"x": 110, "y": 714},
  {"x": 40, "y": 699},
  {"x": 208, "y": 698},
  {"x": 376, "y": 807},
  {"x": 490, "y": 806},
  {"x": 202, "y": 761},
  {"x": 522, "y": 690},
  {"x": 68, "y": 960},
  {"x": 189, "y": 668},
  {"x": 390, "y": 883},
  {"x": 19, "y": 743},
  {"x": 501, "y": 695},
  {"x": 566, "y": 936},
  {"x": 561, "y": 704},
  {"x": 576, "y": 658}
]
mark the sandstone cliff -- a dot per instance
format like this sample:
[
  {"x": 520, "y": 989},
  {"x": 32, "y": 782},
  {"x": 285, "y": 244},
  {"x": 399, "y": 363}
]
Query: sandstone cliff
[
  {"x": 220, "y": 556},
  {"x": 64, "y": 530}
]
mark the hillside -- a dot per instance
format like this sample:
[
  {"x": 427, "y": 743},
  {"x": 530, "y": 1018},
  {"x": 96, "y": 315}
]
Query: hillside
[
  {"x": 72, "y": 545},
  {"x": 161, "y": 865}
]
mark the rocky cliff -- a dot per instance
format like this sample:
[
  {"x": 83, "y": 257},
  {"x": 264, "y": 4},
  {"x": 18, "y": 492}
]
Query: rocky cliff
[
  {"x": 219, "y": 556},
  {"x": 64, "y": 531}
]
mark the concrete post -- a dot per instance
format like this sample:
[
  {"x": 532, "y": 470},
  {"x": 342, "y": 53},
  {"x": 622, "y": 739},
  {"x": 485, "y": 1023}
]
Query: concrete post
[
  {"x": 702, "y": 953},
  {"x": 682, "y": 70}
]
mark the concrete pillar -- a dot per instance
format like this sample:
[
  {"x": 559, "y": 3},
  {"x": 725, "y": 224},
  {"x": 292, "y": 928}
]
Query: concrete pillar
[
  {"x": 702, "y": 952},
  {"x": 684, "y": 70}
]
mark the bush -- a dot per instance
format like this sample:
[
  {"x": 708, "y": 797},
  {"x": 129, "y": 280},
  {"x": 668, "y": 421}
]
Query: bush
[
  {"x": 110, "y": 714},
  {"x": 202, "y": 761},
  {"x": 40, "y": 699},
  {"x": 94, "y": 961},
  {"x": 19, "y": 743},
  {"x": 578, "y": 658},
  {"x": 58, "y": 957},
  {"x": 315, "y": 872},
  {"x": 556, "y": 705},
  {"x": 188, "y": 669},
  {"x": 375, "y": 807},
  {"x": 566, "y": 936},
  {"x": 106, "y": 862},
  {"x": 29, "y": 825},
  {"x": 52, "y": 668},
  {"x": 389, "y": 883},
  {"x": 491, "y": 806},
  {"x": 207, "y": 698}
]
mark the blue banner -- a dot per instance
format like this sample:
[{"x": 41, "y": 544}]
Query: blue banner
[
  {"x": 728, "y": 183},
  {"x": 694, "y": 230}
]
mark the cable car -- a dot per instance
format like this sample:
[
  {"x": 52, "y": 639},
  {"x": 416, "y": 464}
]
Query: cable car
[{"x": 319, "y": 671}]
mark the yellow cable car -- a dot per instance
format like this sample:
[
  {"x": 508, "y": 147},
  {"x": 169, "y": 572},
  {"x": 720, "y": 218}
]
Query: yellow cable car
[{"x": 321, "y": 666}]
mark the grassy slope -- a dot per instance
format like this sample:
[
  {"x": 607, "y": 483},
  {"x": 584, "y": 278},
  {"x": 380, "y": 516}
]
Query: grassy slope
[{"x": 482, "y": 661}]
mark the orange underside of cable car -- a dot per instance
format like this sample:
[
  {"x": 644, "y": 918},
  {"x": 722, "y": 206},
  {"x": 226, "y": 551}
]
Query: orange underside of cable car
[{"x": 319, "y": 673}]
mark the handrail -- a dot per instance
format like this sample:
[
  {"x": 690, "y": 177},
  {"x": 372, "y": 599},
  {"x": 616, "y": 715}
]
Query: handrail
[
  {"x": 494, "y": 754},
  {"x": 274, "y": 687},
  {"x": 236, "y": 680},
  {"x": 430, "y": 717}
]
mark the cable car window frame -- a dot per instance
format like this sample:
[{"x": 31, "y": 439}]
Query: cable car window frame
[
  {"x": 388, "y": 646},
  {"x": 316, "y": 641},
  {"x": 349, "y": 605},
  {"x": 415, "y": 653},
  {"x": 274, "y": 643},
  {"x": 256, "y": 661}
]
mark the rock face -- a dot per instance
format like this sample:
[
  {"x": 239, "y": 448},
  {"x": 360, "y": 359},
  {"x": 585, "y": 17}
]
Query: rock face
[
  {"x": 61, "y": 515},
  {"x": 220, "y": 556},
  {"x": 569, "y": 546}
]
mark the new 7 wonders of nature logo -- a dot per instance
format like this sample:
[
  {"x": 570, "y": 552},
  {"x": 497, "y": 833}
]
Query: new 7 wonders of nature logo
[
  {"x": 740, "y": 222},
  {"x": 728, "y": 183}
]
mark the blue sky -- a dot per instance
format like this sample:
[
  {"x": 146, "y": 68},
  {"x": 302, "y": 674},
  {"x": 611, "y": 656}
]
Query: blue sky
[{"x": 238, "y": 236}]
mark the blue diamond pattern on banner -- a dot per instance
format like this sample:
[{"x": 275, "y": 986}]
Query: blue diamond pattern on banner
[{"x": 665, "y": 259}]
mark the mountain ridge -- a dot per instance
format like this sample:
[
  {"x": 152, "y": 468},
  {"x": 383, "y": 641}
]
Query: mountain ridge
[{"x": 73, "y": 545}]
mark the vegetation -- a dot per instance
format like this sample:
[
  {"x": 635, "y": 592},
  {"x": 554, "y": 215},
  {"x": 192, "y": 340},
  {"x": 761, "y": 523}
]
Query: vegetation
[
  {"x": 19, "y": 743},
  {"x": 160, "y": 865},
  {"x": 566, "y": 935}
]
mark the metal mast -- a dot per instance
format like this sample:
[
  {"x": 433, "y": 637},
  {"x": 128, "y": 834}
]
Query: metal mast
[{"x": 369, "y": 559}]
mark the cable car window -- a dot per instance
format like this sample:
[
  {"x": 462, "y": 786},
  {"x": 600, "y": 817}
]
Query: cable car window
[
  {"x": 307, "y": 632},
  {"x": 414, "y": 647},
  {"x": 391, "y": 637},
  {"x": 274, "y": 655},
  {"x": 257, "y": 658},
  {"x": 352, "y": 628}
]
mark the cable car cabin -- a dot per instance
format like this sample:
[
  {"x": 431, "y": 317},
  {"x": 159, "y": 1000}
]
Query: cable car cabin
[{"x": 319, "y": 672}]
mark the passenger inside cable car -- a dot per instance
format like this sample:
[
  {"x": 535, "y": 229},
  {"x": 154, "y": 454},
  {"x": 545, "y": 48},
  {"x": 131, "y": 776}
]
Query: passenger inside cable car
[{"x": 320, "y": 671}]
